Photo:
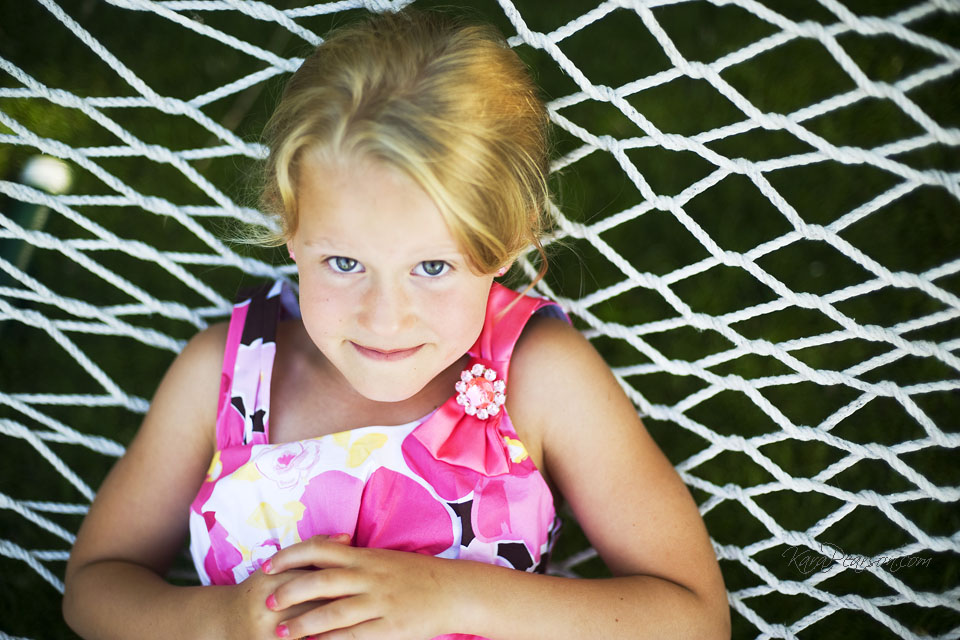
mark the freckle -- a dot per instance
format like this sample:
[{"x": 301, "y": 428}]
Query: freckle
[{"x": 616, "y": 619}]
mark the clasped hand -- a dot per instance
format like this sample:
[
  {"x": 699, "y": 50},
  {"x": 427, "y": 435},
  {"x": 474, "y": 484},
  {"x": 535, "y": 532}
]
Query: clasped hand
[{"x": 325, "y": 588}]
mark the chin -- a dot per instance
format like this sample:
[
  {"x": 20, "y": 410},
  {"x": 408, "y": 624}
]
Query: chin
[{"x": 388, "y": 392}]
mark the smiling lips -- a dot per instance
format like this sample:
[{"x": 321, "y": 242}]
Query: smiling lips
[{"x": 380, "y": 354}]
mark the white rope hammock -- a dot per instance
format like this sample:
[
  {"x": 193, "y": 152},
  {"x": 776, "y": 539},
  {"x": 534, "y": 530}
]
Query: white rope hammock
[{"x": 817, "y": 435}]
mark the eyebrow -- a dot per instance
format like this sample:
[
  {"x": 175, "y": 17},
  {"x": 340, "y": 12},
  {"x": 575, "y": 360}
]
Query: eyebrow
[
  {"x": 319, "y": 242},
  {"x": 326, "y": 244}
]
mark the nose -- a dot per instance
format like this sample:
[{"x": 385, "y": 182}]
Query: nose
[{"x": 386, "y": 308}]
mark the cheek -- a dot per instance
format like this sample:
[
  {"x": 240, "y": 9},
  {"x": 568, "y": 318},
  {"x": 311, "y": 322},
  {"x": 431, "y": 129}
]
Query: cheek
[
  {"x": 323, "y": 312},
  {"x": 461, "y": 318}
]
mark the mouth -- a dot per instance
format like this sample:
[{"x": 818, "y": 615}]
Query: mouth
[{"x": 385, "y": 354}]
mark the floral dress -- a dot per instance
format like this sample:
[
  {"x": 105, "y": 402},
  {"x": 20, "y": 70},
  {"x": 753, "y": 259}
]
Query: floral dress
[{"x": 457, "y": 483}]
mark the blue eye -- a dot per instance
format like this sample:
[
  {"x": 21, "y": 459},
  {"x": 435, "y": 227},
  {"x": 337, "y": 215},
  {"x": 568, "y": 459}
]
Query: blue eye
[
  {"x": 431, "y": 268},
  {"x": 341, "y": 264}
]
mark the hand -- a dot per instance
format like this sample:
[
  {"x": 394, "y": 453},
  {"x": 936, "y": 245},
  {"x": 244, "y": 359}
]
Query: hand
[
  {"x": 246, "y": 613},
  {"x": 366, "y": 593}
]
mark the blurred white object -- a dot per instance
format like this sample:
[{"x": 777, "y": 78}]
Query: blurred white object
[{"x": 47, "y": 173}]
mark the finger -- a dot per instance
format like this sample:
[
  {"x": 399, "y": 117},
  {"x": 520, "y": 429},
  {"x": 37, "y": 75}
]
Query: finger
[
  {"x": 342, "y": 538},
  {"x": 341, "y": 614},
  {"x": 369, "y": 630},
  {"x": 317, "y": 551},
  {"x": 315, "y": 585}
]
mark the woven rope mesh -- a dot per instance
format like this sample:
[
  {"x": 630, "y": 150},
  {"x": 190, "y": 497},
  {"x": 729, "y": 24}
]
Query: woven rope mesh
[{"x": 757, "y": 204}]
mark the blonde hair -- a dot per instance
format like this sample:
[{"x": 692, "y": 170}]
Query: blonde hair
[{"x": 445, "y": 101}]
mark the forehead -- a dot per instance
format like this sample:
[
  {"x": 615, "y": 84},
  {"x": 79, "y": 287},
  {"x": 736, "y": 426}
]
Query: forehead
[{"x": 367, "y": 204}]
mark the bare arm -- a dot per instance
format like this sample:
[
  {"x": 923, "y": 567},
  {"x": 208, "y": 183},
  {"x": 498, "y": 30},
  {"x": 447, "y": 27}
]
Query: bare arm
[
  {"x": 138, "y": 521},
  {"x": 627, "y": 497}
]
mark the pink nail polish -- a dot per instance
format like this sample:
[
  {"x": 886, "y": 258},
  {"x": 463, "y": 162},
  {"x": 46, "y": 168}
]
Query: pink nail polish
[
  {"x": 282, "y": 631},
  {"x": 272, "y": 602},
  {"x": 267, "y": 566}
]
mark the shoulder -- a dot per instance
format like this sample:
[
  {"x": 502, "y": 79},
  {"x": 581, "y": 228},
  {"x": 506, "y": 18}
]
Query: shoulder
[
  {"x": 181, "y": 422},
  {"x": 191, "y": 385},
  {"x": 556, "y": 377},
  {"x": 555, "y": 370},
  {"x": 202, "y": 355},
  {"x": 183, "y": 411},
  {"x": 547, "y": 342},
  {"x": 567, "y": 392},
  {"x": 207, "y": 345}
]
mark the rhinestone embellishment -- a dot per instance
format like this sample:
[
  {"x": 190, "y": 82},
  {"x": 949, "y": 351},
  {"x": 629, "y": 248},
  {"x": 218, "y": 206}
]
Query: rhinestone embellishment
[{"x": 479, "y": 392}]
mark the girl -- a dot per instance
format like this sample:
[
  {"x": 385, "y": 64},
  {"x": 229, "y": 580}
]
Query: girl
[{"x": 407, "y": 169}]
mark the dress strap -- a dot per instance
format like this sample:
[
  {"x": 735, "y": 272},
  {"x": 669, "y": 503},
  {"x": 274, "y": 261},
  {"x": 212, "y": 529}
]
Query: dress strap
[
  {"x": 468, "y": 440},
  {"x": 507, "y": 314},
  {"x": 243, "y": 408}
]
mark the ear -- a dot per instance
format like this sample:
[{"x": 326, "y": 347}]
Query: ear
[
  {"x": 502, "y": 270},
  {"x": 290, "y": 250}
]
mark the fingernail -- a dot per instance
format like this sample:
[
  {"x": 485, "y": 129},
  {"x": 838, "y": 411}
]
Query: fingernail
[
  {"x": 342, "y": 536},
  {"x": 267, "y": 566},
  {"x": 282, "y": 631},
  {"x": 272, "y": 602}
]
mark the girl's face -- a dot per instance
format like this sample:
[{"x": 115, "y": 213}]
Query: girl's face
[{"x": 385, "y": 293}]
